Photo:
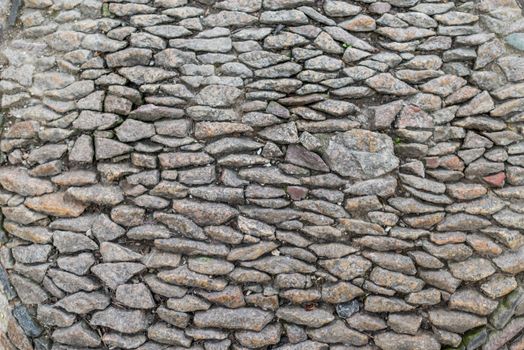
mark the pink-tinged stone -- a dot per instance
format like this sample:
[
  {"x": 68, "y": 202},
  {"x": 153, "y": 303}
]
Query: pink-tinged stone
[
  {"x": 297, "y": 193},
  {"x": 432, "y": 162},
  {"x": 496, "y": 180}
]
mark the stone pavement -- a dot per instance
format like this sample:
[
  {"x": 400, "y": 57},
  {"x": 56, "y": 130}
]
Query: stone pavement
[{"x": 262, "y": 174}]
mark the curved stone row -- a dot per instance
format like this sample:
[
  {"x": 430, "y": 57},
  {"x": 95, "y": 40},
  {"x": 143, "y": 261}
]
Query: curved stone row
[{"x": 263, "y": 174}]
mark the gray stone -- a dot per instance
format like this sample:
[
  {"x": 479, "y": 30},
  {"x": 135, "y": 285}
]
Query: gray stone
[
  {"x": 133, "y": 130},
  {"x": 115, "y": 274},
  {"x": 314, "y": 318},
  {"x": 84, "y": 303},
  {"x": 455, "y": 321},
  {"x": 241, "y": 318},
  {"x": 78, "y": 334},
  {"x": 394, "y": 341},
  {"x": 360, "y": 154},
  {"x": 124, "y": 321}
]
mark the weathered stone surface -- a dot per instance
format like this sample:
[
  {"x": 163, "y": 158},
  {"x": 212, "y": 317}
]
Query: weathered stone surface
[
  {"x": 218, "y": 96},
  {"x": 396, "y": 280},
  {"x": 162, "y": 333},
  {"x": 78, "y": 334},
  {"x": 270, "y": 335},
  {"x": 18, "y": 180},
  {"x": 360, "y": 154},
  {"x": 51, "y": 316},
  {"x": 97, "y": 194},
  {"x": 145, "y": 75},
  {"x": 185, "y": 277},
  {"x": 472, "y": 269},
  {"x": 314, "y": 318},
  {"x": 123, "y": 321},
  {"x": 288, "y": 174},
  {"x": 83, "y": 303},
  {"x": 205, "y": 213},
  {"x": 388, "y": 84},
  {"x": 390, "y": 341},
  {"x": 56, "y": 204},
  {"x": 347, "y": 268},
  {"x": 70, "y": 242},
  {"x": 242, "y": 318},
  {"x": 114, "y": 274},
  {"x": 455, "y": 321},
  {"x": 470, "y": 300}
]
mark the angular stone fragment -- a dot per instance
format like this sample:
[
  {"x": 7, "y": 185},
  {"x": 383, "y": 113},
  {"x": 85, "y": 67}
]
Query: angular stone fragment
[
  {"x": 360, "y": 154},
  {"x": 150, "y": 112},
  {"x": 463, "y": 222},
  {"x": 78, "y": 334},
  {"x": 185, "y": 277},
  {"x": 114, "y": 339},
  {"x": 183, "y": 159},
  {"x": 280, "y": 264},
  {"x": 282, "y": 133},
  {"x": 405, "y": 34},
  {"x": 205, "y": 213},
  {"x": 229, "y": 18},
  {"x": 70, "y": 242},
  {"x": 268, "y": 336},
  {"x": 482, "y": 103},
  {"x": 509, "y": 218},
  {"x": 251, "y": 252},
  {"x": 444, "y": 85},
  {"x": 129, "y": 57},
  {"x": 100, "y": 42},
  {"x": 208, "y": 45},
  {"x": 51, "y": 316},
  {"x": 145, "y": 75},
  {"x": 218, "y": 96},
  {"x": 360, "y": 227},
  {"x": 28, "y": 291},
  {"x": 72, "y": 283},
  {"x": 114, "y": 274},
  {"x": 124, "y": 321},
  {"x": 56, "y": 204},
  {"x": 242, "y": 318},
  {"x": 338, "y": 332},
  {"x": 336, "y": 108},
  {"x": 489, "y": 52},
  {"x": 470, "y": 300},
  {"x": 268, "y": 175},
  {"x": 472, "y": 269},
  {"x": 382, "y": 304},
  {"x": 283, "y": 40},
  {"x": 388, "y": 84},
  {"x": 18, "y": 180},
  {"x": 133, "y": 130},
  {"x": 347, "y": 268},
  {"x": 394, "y": 341},
  {"x": 512, "y": 67},
  {"x": 240, "y": 5},
  {"x": 396, "y": 280},
  {"x": 190, "y": 247},
  {"x": 455, "y": 321},
  {"x": 97, "y": 194},
  {"x": 162, "y": 333},
  {"x": 313, "y": 318},
  {"x": 30, "y": 254},
  {"x": 511, "y": 261},
  {"x": 83, "y": 303}
]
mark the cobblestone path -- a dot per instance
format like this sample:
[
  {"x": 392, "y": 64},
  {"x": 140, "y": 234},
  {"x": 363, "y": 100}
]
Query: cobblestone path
[{"x": 262, "y": 174}]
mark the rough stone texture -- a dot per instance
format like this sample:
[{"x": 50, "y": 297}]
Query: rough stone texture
[{"x": 261, "y": 174}]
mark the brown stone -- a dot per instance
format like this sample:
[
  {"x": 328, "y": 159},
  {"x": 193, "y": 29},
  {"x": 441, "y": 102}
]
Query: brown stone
[{"x": 56, "y": 204}]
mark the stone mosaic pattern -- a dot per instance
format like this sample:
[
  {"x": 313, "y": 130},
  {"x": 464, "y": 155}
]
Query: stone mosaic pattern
[{"x": 262, "y": 174}]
